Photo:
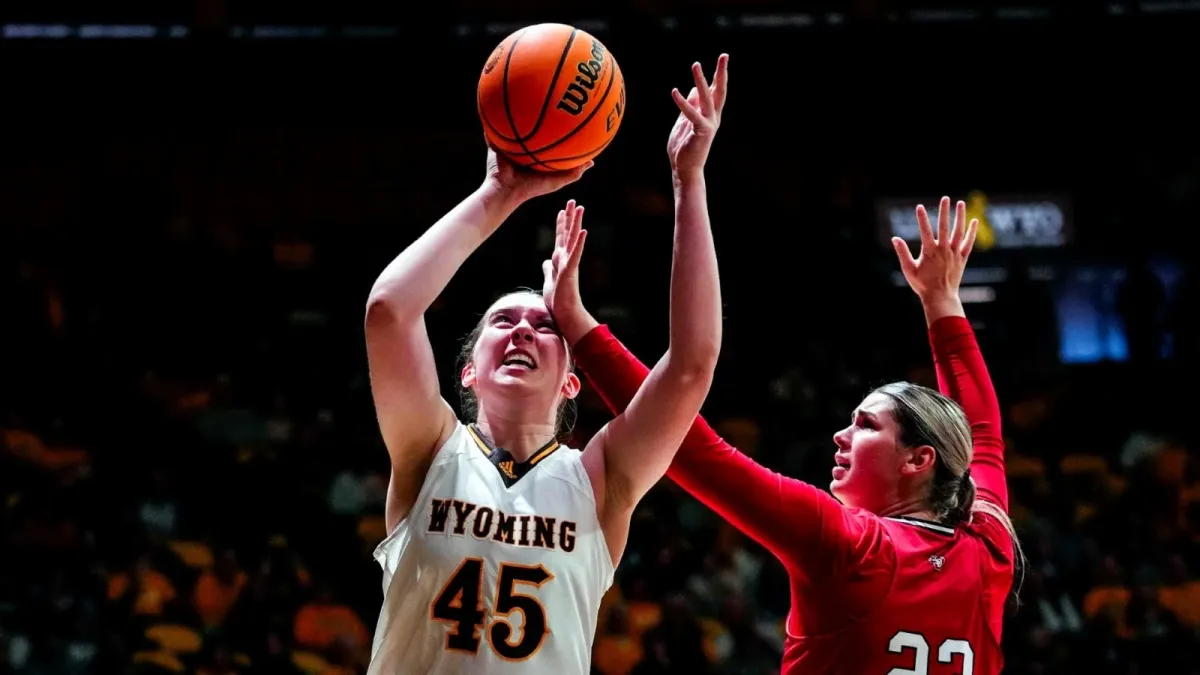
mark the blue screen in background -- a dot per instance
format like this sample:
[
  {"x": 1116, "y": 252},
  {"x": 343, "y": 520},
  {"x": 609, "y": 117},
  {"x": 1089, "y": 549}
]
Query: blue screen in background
[{"x": 1091, "y": 325}]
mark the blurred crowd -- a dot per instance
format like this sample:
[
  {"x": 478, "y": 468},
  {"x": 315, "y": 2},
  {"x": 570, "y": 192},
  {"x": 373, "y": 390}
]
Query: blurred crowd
[{"x": 191, "y": 478}]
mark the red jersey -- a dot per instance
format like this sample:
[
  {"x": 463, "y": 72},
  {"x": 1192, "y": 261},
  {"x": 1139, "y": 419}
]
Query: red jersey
[{"x": 870, "y": 595}]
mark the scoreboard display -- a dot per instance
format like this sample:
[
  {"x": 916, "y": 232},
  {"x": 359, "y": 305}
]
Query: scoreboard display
[{"x": 1005, "y": 221}]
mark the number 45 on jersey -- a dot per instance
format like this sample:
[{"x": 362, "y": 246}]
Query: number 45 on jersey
[{"x": 460, "y": 606}]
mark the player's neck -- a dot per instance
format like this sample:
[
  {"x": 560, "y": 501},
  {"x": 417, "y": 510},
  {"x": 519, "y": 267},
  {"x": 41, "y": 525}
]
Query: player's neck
[
  {"x": 520, "y": 437},
  {"x": 908, "y": 508}
]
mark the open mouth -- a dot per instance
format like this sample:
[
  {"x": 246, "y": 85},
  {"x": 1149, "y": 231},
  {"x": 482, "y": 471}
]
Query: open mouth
[
  {"x": 519, "y": 360},
  {"x": 841, "y": 467}
]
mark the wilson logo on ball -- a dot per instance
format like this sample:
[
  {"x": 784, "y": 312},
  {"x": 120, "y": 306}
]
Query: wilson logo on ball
[
  {"x": 493, "y": 59},
  {"x": 551, "y": 97},
  {"x": 576, "y": 95},
  {"x": 614, "y": 116}
]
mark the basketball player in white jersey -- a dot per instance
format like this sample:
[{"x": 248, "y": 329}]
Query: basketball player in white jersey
[{"x": 500, "y": 541}]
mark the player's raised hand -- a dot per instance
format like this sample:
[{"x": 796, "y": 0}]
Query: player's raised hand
[
  {"x": 560, "y": 284},
  {"x": 699, "y": 118},
  {"x": 939, "y": 268},
  {"x": 560, "y": 275},
  {"x": 521, "y": 184}
]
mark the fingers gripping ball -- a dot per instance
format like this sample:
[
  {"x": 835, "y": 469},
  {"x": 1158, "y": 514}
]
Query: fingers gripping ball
[{"x": 551, "y": 97}]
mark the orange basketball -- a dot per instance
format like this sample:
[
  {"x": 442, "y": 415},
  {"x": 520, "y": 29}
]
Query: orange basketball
[{"x": 551, "y": 97}]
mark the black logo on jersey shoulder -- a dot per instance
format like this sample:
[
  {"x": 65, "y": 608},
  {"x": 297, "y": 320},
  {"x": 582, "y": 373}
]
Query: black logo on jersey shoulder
[{"x": 456, "y": 517}]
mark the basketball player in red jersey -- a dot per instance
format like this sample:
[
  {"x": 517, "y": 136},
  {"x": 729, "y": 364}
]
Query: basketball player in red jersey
[{"x": 905, "y": 569}]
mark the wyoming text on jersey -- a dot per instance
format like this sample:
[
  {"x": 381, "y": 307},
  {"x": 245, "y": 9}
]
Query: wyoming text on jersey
[{"x": 486, "y": 523}]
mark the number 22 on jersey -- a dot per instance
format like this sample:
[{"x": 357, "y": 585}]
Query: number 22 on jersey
[
  {"x": 916, "y": 642},
  {"x": 460, "y": 606}
]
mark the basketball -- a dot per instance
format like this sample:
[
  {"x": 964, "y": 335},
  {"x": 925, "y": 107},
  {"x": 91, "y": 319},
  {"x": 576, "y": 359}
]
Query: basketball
[{"x": 551, "y": 97}]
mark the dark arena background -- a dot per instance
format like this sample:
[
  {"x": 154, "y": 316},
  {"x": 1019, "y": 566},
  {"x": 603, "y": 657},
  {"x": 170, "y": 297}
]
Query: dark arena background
[{"x": 196, "y": 196}]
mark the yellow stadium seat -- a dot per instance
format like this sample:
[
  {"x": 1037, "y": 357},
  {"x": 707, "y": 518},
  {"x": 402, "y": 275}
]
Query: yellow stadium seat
[
  {"x": 194, "y": 554},
  {"x": 1079, "y": 463},
  {"x": 310, "y": 663},
  {"x": 175, "y": 639},
  {"x": 160, "y": 658}
]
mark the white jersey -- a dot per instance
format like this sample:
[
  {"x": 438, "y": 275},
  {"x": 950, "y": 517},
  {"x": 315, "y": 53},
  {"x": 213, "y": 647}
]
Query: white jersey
[{"x": 498, "y": 568}]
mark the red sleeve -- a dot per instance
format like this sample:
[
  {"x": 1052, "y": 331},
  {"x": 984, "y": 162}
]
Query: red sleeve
[
  {"x": 963, "y": 376},
  {"x": 798, "y": 523}
]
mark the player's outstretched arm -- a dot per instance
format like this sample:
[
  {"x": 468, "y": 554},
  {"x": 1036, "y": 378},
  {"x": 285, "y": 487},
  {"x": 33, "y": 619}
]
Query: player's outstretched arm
[
  {"x": 790, "y": 518},
  {"x": 798, "y": 523},
  {"x": 631, "y": 453},
  {"x": 935, "y": 276},
  {"x": 413, "y": 418}
]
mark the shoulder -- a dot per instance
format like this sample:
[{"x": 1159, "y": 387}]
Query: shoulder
[
  {"x": 454, "y": 448},
  {"x": 448, "y": 430},
  {"x": 984, "y": 531},
  {"x": 993, "y": 534},
  {"x": 863, "y": 535},
  {"x": 565, "y": 465},
  {"x": 453, "y": 444}
]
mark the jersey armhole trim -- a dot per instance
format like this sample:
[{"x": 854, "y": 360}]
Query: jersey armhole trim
[
  {"x": 395, "y": 533},
  {"x": 586, "y": 480}
]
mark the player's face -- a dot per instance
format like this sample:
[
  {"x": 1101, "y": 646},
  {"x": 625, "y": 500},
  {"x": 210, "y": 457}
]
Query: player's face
[
  {"x": 867, "y": 463},
  {"x": 520, "y": 349}
]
